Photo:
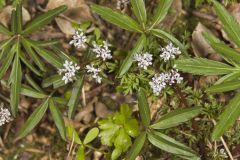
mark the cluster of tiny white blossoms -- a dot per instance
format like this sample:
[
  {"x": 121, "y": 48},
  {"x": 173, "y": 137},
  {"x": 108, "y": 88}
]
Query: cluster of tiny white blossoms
[
  {"x": 102, "y": 51},
  {"x": 169, "y": 52},
  {"x": 144, "y": 60},
  {"x": 5, "y": 115},
  {"x": 160, "y": 81},
  {"x": 94, "y": 73},
  {"x": 79, "y": 39},
  {"x": 69, "y": 71},
  {"x": 121, "y": 4}
]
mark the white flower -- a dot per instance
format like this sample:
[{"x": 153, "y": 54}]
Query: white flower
[
  {"x": 102, "y": 51},
  {"x": 223, "y": 152},
  {"x": 94, "y": 73},
  {"x": 79, "y": 39},
  {"x": 121, "y": 4},
  {"x": 169, "y": 52},
  {"x": 69, "y": 71},
  {"x": 175, "y": 77},
  {"x": 5, "y": 115},
  {"x": 159, "y": 82},
  {"x": 144, "y": 60}
]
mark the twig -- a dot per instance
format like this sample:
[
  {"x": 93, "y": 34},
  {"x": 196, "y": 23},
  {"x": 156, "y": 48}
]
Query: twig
[
  {"x": 224, "y": 143},
  {"x": 83, "y": 96}
]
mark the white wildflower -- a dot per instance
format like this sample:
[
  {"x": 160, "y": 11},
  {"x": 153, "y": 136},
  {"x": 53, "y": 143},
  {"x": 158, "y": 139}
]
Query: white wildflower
[
  {"x": 79, "y": 39},
  {"x": 121, "y": 4},
  {"x": 159, "y": 82},
  {"x": 102, "y": 51},
  {"x": 144, "y": 59},
  {"x": 69, "y": 71},
  {"x": 169, "y": 52},
  {"x": 94, "y": 73},
  {"x": 175, "y": 77},
  {"x": 5, "y": 115}
]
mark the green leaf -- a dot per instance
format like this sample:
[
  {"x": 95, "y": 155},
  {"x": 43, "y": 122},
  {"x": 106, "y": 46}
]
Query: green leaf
[
  {"x": 228, "y": 77},
  {"x": 33, "y": 120},
  {"x": 132, "y": 128},
  {"x": 117, "y": 18},
  {"x": 230, "y": 25},
  {"x": 15, "y": 80},
  {"x": 19, "y": 18},
  {"x": 222, "y": 48},
  {"x": 33, "y": 83},
  {"x": 52, "y": 80},
  {"x": 25, "y": 60},
  {"x": 81, "y": 153},
  {"x": 224, "y": 87},
  {"x": 136, "y": 147},
  {"x": 116, "y": 153},
  {"x": 122, "y": 140},
  {"x": 43, "y": 19},
  {"x": 7, "y": 61},
  {"x": 227, "y": 118},
  {"x": 73, "y": 135},
  {"x": 161, "y": 11},
  {"x": 27, "y": 91},
  {"x": 4, "y": 30},
  {"x": 176, "y": 117},
  {"x": 33, "y": 55},
  {"x": 58, "y": 119},
  {"x": 143, "y": 107},
  {"x": 75, "y": 96},
  {"x": 139, "y": 10},
  {"x": 49, "y": 56},
  {"x": 202, "y": 66},
  {"x": 91, "y": 135},
  {"x": 13, "y": 22},
  {"x": 168, "y": 144},
  {"x": 164, "y": 35},
  {"x": 127, "y": 63}
]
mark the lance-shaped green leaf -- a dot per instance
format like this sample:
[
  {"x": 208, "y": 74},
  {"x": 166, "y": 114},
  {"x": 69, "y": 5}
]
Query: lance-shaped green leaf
[
  {"x": 49, "y": 56},
  {"x": 227, "y": 118},
  {"x": 176, "y": 117},
  {"x": 136, "y": 147},
  {"x": 168, "y": 144},
  {"x": 5, "y": 48},
  {"x": 222, "y": 48},
  {"x": 33, "y": 83},
  {"x": 4, "y": 30},
  {"x": 28, "y": 91},
  {"x": 164, "y": 35},
  {"x": 230, "y": 25},
  {"x": 33, "y": 120},
  {"x": 75, "y": 96},
  {"x": 7, "y": 61},
  {"x": 161, "y": 11},
  {"x": 117, "y": 18},
  {"x": 13, "y": 22},
  {"x": 54, "y": 79},
  {"x": 91, "y": 135},
  {"x": 128, "y": 61},
  {"x": 28, "y": 64},
  {"x": 224, "y": 87},
  {"x": 33, "y": 55},
  {"x": 15, "y": 81},
  {"x": 80, "y": 153},
  {"x": 143, "y": 107},
  {"x": 139, "y": 10},
  {"x": 19, "y": 18},
  {"x": 73, "y": 135},
  {"x": 43, "y": 19},
  {"x": 202, "y": 66},
  {"x": 228, "y": 77},
  {"x": 58, "y": 119}
]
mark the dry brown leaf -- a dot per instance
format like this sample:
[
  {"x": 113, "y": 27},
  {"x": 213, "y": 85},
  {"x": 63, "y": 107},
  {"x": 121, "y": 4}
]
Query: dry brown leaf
[
  {"x": 101, "y": 110},
  {"x": 77, "y": 11}
]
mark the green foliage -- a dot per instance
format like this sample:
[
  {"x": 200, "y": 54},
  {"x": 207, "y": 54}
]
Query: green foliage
[
  {"x": 230, "y": 81},
  {"x": 118, "y": 129}
]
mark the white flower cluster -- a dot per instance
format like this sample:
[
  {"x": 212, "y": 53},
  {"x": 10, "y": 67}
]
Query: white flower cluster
[
  {"x": 144, "y": 60},
  {"x": 69, "y": 71},
  {"x": 169, "y": 52},
  {"x": 79, "y": 39},
  {"x": 5, "y": 115},
  {"x": 159, "y": 82},
  {"x": 223, "y": 152},
  {"x": 102, "y": 51},
  {"x": 94, "y": 73},
  {"x": 121, "y": 4}
]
